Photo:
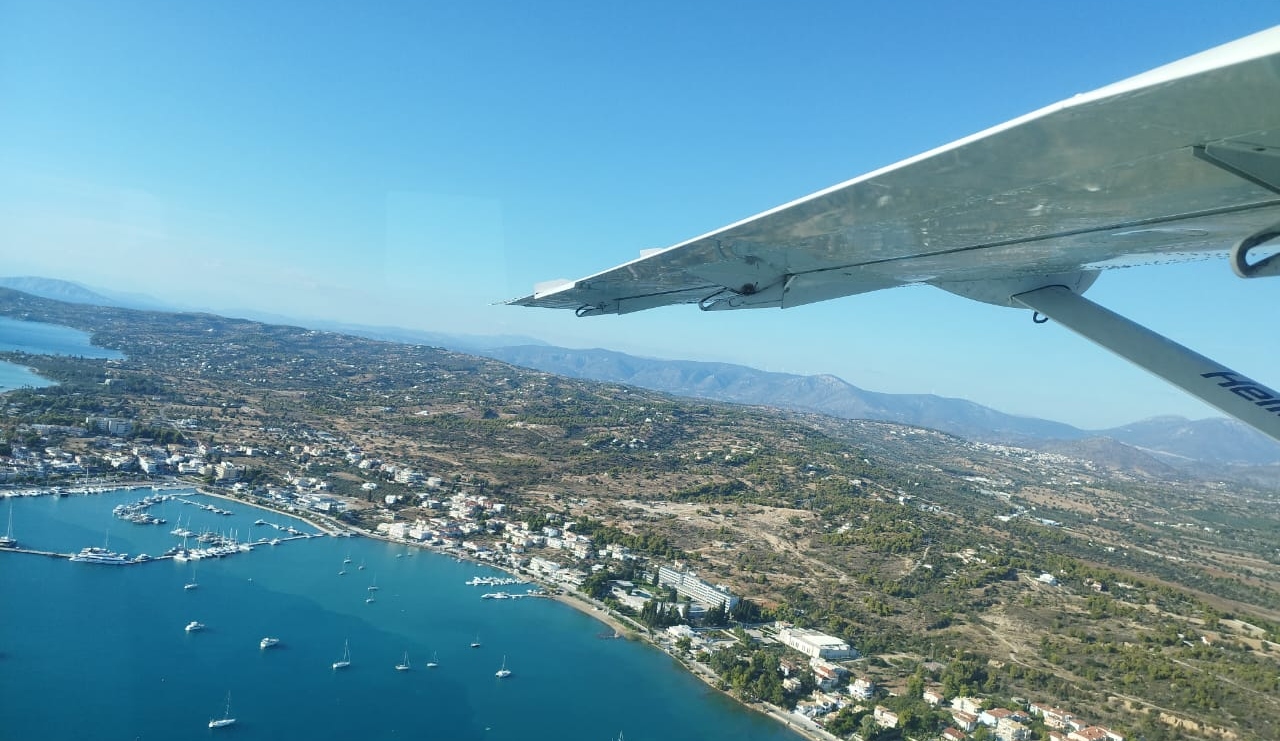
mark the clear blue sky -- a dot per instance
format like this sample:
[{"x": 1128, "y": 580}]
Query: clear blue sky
[{"x": 413, "y": 163}]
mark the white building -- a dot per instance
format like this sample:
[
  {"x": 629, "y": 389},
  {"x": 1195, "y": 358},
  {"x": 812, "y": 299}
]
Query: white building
[
  {"x": 689, "y": 585},
  {"x": 110, "y": 425},
  {"x": 815, "y": 645}
]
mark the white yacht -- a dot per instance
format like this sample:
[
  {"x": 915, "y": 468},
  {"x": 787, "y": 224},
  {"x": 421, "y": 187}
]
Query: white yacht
[
  {"x": 346, "y": 656},
  {"x": 194, "y": 625},
  {"x": 268, "y": 642},
  {"x": 7, "y": 540},
  {"x": 226, "y": 718},
  {"x": 403, "y": 666},
  {"x": 93, "y": 554},
  {"x": 504, "y": 672},
  {"x": 434, "y": 661}
]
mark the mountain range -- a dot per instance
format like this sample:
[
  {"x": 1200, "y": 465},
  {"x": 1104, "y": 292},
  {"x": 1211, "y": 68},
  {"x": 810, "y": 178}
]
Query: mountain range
[
  {"x": 1174, "y": 441},
  {"x": 1156, "y": 443}
]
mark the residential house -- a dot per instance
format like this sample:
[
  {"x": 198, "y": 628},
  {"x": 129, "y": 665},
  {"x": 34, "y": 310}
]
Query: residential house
[
  {"x": 862, "y": 688},
  {"x": 965, "y": 721},
  {"x": 884, "y": 717}
]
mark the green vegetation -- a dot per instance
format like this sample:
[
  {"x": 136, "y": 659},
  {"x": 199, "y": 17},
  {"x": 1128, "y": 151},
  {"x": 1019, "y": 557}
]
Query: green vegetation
[{"x": 921, "y": 550}]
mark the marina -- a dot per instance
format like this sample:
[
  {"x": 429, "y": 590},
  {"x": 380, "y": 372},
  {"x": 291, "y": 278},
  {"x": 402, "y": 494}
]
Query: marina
[{"x": 85, "y": 619}]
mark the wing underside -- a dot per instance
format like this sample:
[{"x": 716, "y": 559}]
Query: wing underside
[{"x": 1177, "y": 163}]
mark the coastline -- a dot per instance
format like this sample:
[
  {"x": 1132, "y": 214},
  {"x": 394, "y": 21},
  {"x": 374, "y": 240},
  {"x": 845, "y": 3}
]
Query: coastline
[
  {"x": 621, "y": 626},
  {"x": 800, "y": 726}
]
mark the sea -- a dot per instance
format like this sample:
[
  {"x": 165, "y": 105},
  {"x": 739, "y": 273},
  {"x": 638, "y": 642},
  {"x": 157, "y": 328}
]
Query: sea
[
  {"x": 41, "y": 339},
  {"x": 101, "y": 651}
]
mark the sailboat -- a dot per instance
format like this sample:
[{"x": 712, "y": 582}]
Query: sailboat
[
  {"x": 361, "y": 566},
  {"x": 193, "y": 584},
  {"x": 403, "y": 666},
  {"x": 434, "y": 661},
  {"x": 6, "y": 540},
  {"x": 347, "y": 559},
  {"x": 346, "y": 656},
  {"x": 476, "y": 642},
  {"x": 504, "y": 672},
  {"x": 374, "y": 586},
  {"x": 226, "y": 718}
]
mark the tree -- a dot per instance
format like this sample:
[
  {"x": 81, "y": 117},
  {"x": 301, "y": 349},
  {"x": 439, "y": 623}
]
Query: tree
[{"x": 868, "y": 729}]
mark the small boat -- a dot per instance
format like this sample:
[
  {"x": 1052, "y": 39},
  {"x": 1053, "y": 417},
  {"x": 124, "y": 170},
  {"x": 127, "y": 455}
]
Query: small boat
[
  {"x": 342, "y": 573},
  {"x": 194, "y": 625},
  {"x": 193, "y": 584},
  {"x": 347, "y": 559},
  {"x": 226, "y": 718},
  {"x": 369, "y": 600},
  {"x": 374, "y": 586},
  {"x": 403, "y": 666},
  {"x": 345, "y": 661},
  {"x": 434, "y": 661},
  {"x": 504, "y": 672},
  {"x": 361, "y": 566},
  {"x": 476, "y": 642},
  {"x": 268, "y": 642}
]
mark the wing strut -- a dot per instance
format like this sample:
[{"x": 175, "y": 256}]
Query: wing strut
[{"x": 1217, "y": 385}]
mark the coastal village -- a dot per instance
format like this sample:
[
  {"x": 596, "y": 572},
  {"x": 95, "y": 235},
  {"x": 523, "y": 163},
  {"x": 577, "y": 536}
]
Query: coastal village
[
  {"x": 850, "y": 578},
  {"x": 831, "y": 690}
]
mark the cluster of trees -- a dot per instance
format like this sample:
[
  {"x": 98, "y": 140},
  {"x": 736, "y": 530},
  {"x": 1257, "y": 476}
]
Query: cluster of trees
[
  {"x": 755, "y": 676},
  {"x": 648, "y": 543},
  {"x": 658, "y": 615}
]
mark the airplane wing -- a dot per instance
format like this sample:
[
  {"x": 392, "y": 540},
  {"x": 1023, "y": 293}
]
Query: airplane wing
[
  {"x": 1118, "y": 176},
  {"x": 1181, "y": 162}
]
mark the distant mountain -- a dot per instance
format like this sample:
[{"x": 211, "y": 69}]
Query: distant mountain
[
  {"x": 58, "y": 290},
  {"x": 1166, "y": 441},
  {"x": 1112, "y": 455},
  {"x": 822, "y": 393},
  {"x": 75, "y": 293},
  {"x": 1214, "y": 439},
  {"x": 1172, "y": 441}
]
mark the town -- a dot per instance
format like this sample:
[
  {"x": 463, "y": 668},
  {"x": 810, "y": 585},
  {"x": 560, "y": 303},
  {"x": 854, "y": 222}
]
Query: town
[{"x": 849, "y": 577}]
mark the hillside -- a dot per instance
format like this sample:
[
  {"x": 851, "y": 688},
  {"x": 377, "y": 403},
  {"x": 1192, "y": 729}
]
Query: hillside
[
  {"x": 922, "y": 549},
  {"x": 1179, "y": 442}
]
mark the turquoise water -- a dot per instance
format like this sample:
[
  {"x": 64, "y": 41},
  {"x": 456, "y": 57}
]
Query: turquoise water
[
  {"x": 99, "y": 651},
  {"x": 41, "y": 339},
  {"x": 38, "y": 338},
  {"x": 16, "y": 376}
]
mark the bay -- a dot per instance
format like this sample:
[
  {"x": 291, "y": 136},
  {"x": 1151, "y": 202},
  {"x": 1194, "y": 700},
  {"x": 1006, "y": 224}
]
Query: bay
[
  {"x": 38, "y": 338},
  {"x": 98, "y": 650},
  {"x": 14, "y": 376}
]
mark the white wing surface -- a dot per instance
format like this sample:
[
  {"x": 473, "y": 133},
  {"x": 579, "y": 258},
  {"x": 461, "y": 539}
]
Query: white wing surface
[{"x": 1179, "y": 162}]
